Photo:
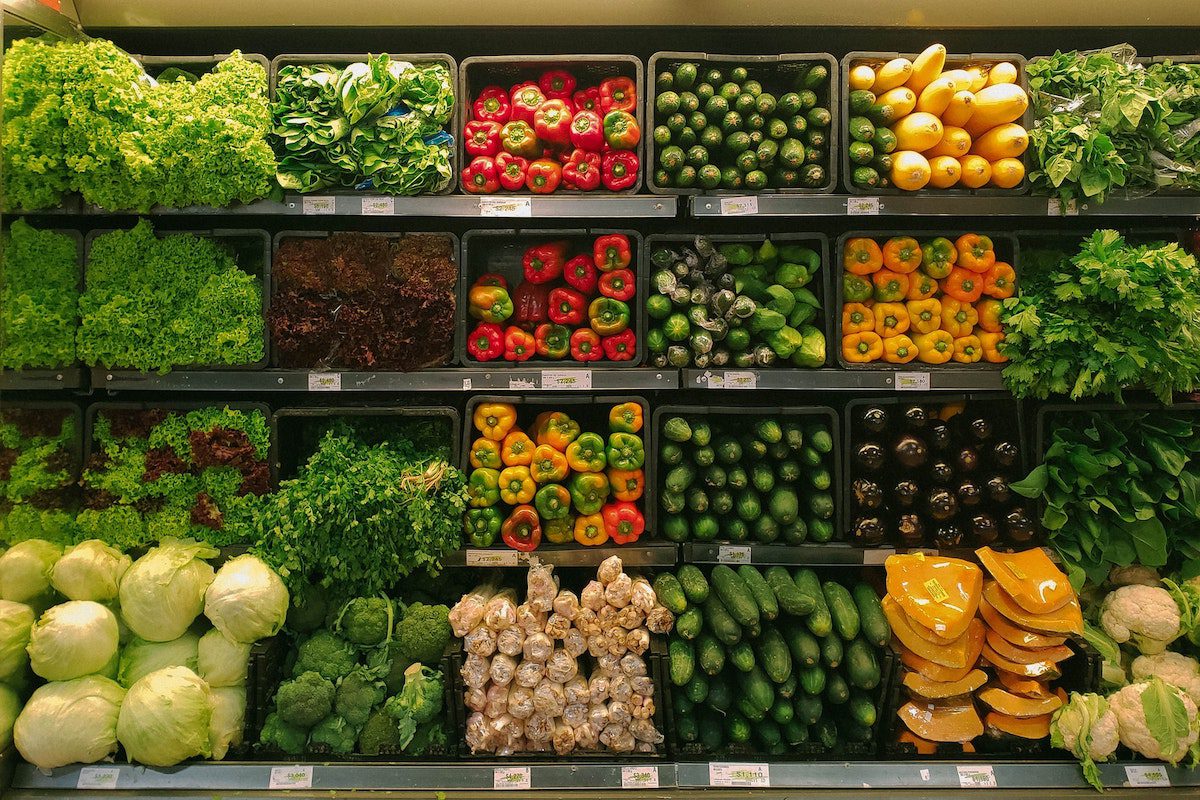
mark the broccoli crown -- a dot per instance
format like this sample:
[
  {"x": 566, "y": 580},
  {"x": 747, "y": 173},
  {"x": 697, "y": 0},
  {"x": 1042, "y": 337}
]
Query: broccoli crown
[
  {"x": 305, "y": 700},
  {"x": 424, "y": 632},
  {"x": 307, "y": 610},
  {"x": 379, "y": 734},
  {"x": 335, "y": 733},
  {"x": 390, "y": 663},
  {"x": 277, "y": 733},
  {"x": 326, "y": 654},
  {"x": 357, "y": 694},
  {"x": 421, "y": 698},
  {"x": 366, "y": 621},
  {"x": 427, "y": 737}
]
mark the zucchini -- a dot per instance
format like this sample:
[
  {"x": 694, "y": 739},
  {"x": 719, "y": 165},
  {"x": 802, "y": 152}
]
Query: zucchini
[
  {"x": 670, "y": 593},
  {"x": 773, "y": 655},
  {"x": 790, "y": 598},
  {"x": 757, "y": 688},
  {"x": 874, "y": 625},
  {"x": 803, "y": 645},
  {"x": 689, "y": 623},
  {"x": 862, "y": 667},
  {"x": 741, "y": 655},
  {"x": 720, "y": 623},
  {"x": 710, "y": 654},
  {"x": 832, "y": 651},
  {"x": 682, "y": 660},
  {"x": 819, "y": 621},
  {"x": 808, "y": 708},
  {"x": 697, "y": 688},
  {"x": 795, "y": 733},
  {"x": 695, "y": 585},
  {"x": 720, "y": 693},
  {"x": 812, "y": 680},
  {"x": 735, "y": 596},
  {"x": 862, "y": 709},
  {"x": 749, "y": 710},
  {"x": 836, "y": 690},
  {"x": 768, "y": 606},
  {"x": 841, "y": 609}
]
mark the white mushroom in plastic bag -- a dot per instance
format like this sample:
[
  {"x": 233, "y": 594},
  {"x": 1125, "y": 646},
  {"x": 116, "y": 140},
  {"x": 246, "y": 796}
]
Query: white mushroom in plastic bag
[
  {"x": 630, "y": 617},
  {"x": 557, "y": 626},
  {"x": 598, "y": 715},
  {"x": 609, "y": 664},
  {"x": 480, "y": 642},
  {"x": 530, "y": 673},
  {"x": 575, "y": 642},
  {"x": 592, "y": 596},
  {"x": 530, "y": 620},
  {"x": 501, "y": 611},
  {"x": 638, "y": 641},
  {"x": 607, "y": 617},
  {"x": 539, "y": 728},
  {"x": 540, "y": 587},
  {"x": 616, "y": 644},
  {"x": 659, "y": 620},
  {"x": 587, "y": 622},
  {"x": 618, "y": 713},
  {"x": 520, "y": 701},
  {"x": 478, "y": 733},
  {"x": 561, "y": 667},
  {"x": 549, "y": 699},
  {"x": 537, "y": 647},
  {"x": 475, "y": 698},
  {"x": 597, "y": 645},
  {"x": 609, "y": 570},
  {"x": 576, "y": 690},
  {"x": 620, "y": 591},
  {"x": 566, "y": 603},
  {"x": 503, "y": 669},
  {"x": 564, "y": 739},
  {"x": 642, "y": 684},
  {"x": 575, "y": 714},
  {"x": 475, "y": 671},
  {"x": 497, "y": 701},
  {"x": 598, "y": 687},
  {"x": 643, "y": 598},
  {"x": 619, "y": 688},
  {"x": 644, "y": 747},
  {"x": 511, "y": 640},
  {"x": 644, "y": 731},
  {"x": 642, "y": 706},
  {"x": 617, "y": 738},
  {"x": 468, "y": 611},
  {"x": 586, "y": 736}
]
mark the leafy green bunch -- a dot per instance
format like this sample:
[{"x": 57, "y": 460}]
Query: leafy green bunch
[
  {"x": 36, "y": 476},
  {"x": 39, "y": 277},
  {"x": 1112, "y": 317}
]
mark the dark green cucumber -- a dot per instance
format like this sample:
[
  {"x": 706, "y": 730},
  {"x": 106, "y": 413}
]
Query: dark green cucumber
[
  {"x": 682, "y": 660},
  {"x": 710, "y": 654},
  {"x": 735, "y": 596},
  {"x": 832, "y": 651},
  {"x": 842, "y": 609},
  {"x": 670, "y": 593},
  {"x": 768, "y": 606},
  {"x": 805, "y": 650},
  {"x": 773, "y": 655},
  {"x": 689, "y": 623},
  {"x": 862, "y": 667},
  {"x": 723, "y": 626},
  {"x": 695, "y": 585},
  {"x": 874, "y": 625},
  {"x": 819, "y": 621},
  {"x": 791, "y": 599}
]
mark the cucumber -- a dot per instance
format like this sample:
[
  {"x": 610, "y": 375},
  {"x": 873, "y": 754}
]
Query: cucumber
[
  {"x": 790, "y": 598},
  {"x": 737, "y": 728},
  {"x": 841, "y": 609},
  {"x": 862, "y": 709},
  {"x": 819, "y": 621},
  {"x": 741, "y": 655},
  {"x": 720, "y": 693},
  {"x": 686, "y": 728},
  {"x": 817, "y": 435},
  {"x": 749, "y": 710},
  {"x": 768, "y": 606},
  {"x": 812, "y": 680},
  {"x": 681, "y": 704},
  {"x": 808, "y": 708},
  {"x": 836, "y": 690},
  {"x": 723, "y": 626},
  {"x": 780, "y": 748},
  {"x": 677, "y": 429},
  {"x": 851, "y": 731},
  {"x": 783, "y": 712},
  {"x": 832, "y": 651},
  {"x": 679, "y": 478},
  {"x": 757, "y": 688},
  {"x": 874, "y": 625},
  {"x": 697, "y": 688},
  {"x": 712, "y": 733},
  {"x": 767, "y": 731},
  {"x": 670, "y": 593},
  {"x": 826, "y": 732},
  {"x": 795, "y": 733},
  {"x": 773, "y": 655},
  {"x": 682, "y": 660},
  {"x": 710, "y": 654},
  {"x": 805, "y": 650},
  {"x": 862, "y": 667},
  {"x": 689, "y": 623},
  {"x": 788, "y": 687},
  {"x": 695, "y": 585},
  {"x": 735, "y": 596}
]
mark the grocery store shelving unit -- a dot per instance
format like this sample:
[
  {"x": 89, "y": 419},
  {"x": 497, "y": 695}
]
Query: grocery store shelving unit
[
  {"x": 833, "y": 205},
  {"x": 34, "y": 379}
]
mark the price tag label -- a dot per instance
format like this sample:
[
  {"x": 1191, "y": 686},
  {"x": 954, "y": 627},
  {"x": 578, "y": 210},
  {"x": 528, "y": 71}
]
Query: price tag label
[
  {"x": 912, "y": 381},
  {"x": 98, "y": 778},
  {"x": 741, "y": 380},
  {"x": 566, "y": 379},
  {"x": 973, "y": 777},
  {"x": 466, "y": 384},
  {"x": 505, "y": 207},
  {"x": 317, "y": 205},
  {"x": 739, "y": 206},
  {"x": 1147, "y": 775},
  {"x": 324, "y": 381},
  {"x": 734, "y": 553},
  {"x": 378, "y": 206},
  {"x": 862, "y": 206},
  {"x": 522, "y": 383},
  {"x": 877, "y": 555},
  {"x": 510, "y": 778},
  {"x": 925, "y": 775},
  {"x": 639, "y": 777},
  {"x": 753, "y": 776},
  {"x": 1056, "y": 208},
  {"x": 491, "y": 558},
  {"x": 293, "y": 777}
]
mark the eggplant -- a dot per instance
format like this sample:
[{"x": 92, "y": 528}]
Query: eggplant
[
  {"x": 867, "y": 493},
  {"x": 1005, "y": 454},
  {"x": 980, "y": 429},
  {"x": 912, "y": 530},
  {"x": 868, "y": 531},
  {"x": 942, "y": 504},
  {"x": 948, "y": 535},
  {"x": 941, "y": 472},
  {"x": 874, "y": 419},
  {"x": 940, "y": 437},
  {"x": 726, "y": 281},
  {"x": 984, "y": 530},
  {"x": 967, "y": 460},
  {"x": 970, "y": 494},
  {"x": 997, "y": 490},
  {"x": 905, "y": 493},
  {"x": 1018, "y": 527},
  {"x": 915, "y": 417},
  {"x": 870, "y": 456},
  {"x": 910, "y": 451}
]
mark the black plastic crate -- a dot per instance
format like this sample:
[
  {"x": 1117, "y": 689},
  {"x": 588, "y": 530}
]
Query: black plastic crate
[
  {"x": 77, "y": 237},
  {"x": 769, "y": 69},
  {"x": 953, "y": 61},
  {"x": 197, "y": 65},
  {"x": 787, "y": 413},
  {"x": 478, "y": 72},
  {"x": 67, "y": 409},
  {"x": 501, "y": 251},
  {"x": 1007, "y": 250}
]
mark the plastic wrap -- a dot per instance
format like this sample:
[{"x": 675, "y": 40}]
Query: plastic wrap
[
  {"x": 520, "y": 701},
  {"x": 619, "y": 591},
  {"x": 557, "y": 626},
  {"x": 588, "y": 622},
  {"x": 598, "y": 687},
  {"x": 531, "y": 620},
  {"x": 660, "y": 621},
  {"x": 644, "y": 731},
  {"x": 575, "y": 714},
  {"x": 497, "y": 700},
  {"x": 501, "y": 611},
  {"x": 549, "y": 699},
  {"x": 617, "y": 738},
  {"x": 561, "y": 667},
  {"x": 539, "y": 728},
  {"x": 538, "y": 647},
  {"x": 468, "y": 612},
  {"x": 478, "y": 733},
  {"x": 475, "y": 699},
  {"x": 530, "y": 673},
  {"x": 609, "y": 570},
  {"x": 564, "y": 738},
  {"x": 481, "y": 641},
  {"x": 541, "y": 587},
  {"x": 597, "y": 645},
  {"x": 644, "y": 598},
  {"x": 566, "y": 603},
  {"x": 609, "y": 664},
  {"x": 620, "y": 689},
  {"x": 510, "y": 641},
  {"x": 637, "y": 641},
  {"x": 503, "y": 669},
  {"x": 576, "y": 690},
  {"x": 631, "y": 617},
  {"x": 475, "y": 671},
  {"x": 598, "y": 715},
  {"x": 642, "y": 684},
  {"x": 592, "y": 596},
  {"x": 641, "y": 706},
  {"x": 633, "y": 666},
  {"x": 586, "y": 736},
  {"x": 575, "y": 642}
]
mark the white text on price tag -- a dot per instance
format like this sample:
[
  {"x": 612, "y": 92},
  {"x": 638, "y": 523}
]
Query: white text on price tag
[
  {"x": 912, "y": 381},
  {"x": 324, "y": 381},
  {"x": 983, "y": 777},
  {"x": 491, "y": 558},
  {"x": 505, "y": 207},
  {"x": 1147, "y": 775},
  {"x": 97, "y": 778},
  {"x": 511, "y": 778},
  {"x": 753, "y": 776},
  {"x": 734, "y": 553},
  {"x": 639, "y": 777},
  {"x": 566, "y": 379},
  {"x": 862, "y": 206},
  {"x": 317, "y": 205},
  {"x": 739, "y": 206},
  {"x": 293, "y": 777},
  {"x": 378, "y": 206}
]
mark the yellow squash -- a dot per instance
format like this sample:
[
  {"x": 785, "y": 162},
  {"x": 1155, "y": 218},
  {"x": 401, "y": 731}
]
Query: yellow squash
[
  {"x": 976, "y": 171},
  {"x": 862, "y": 77},
  {"x": 926, "y": 67},
  {"x": 1007, "y": 172},
  {"x": 955, "y": 142},
  {"x": 892, "y": 74},
  {"x": 962, "y": 106},
  {"x": 910, "y": 171},
  {"x": 944, "y": 172},
  {"x": 978, "y": 77},
  {"x": 960, "y": 77},
  {"x": 1003, "y": 141},
  {"x": 1004, "y": 72},
  {"x": 902, "y": 100},
  {"x": 918, "y": 131},
  {"x": 995, "y": 105},
  {"x": 935, "y": 97}
]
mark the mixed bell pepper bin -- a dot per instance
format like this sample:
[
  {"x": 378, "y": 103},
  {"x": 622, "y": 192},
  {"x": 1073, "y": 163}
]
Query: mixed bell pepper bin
[
  {"x": 592, "y": 414},
  {"x": 747, "y": 416},
  {"x": 589, "y": 73},
  {"x": 541, "y": 275},
  {"x": 1007, "y": 424},
  {"x": 78, "y": 238},
  {"x": 453, "y": 127},
  {"x": 953, "y": 61},
  {"x": 876, "y": 355},
  {"x": 250, "y": 248},
  {"x": 776, "y": 74}
]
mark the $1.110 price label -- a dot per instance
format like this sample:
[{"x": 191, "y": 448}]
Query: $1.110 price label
[{"x": 752, "y": 776}]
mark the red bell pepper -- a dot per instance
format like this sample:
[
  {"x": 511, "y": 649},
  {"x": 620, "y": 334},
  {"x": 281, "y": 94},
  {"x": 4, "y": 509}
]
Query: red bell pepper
[
  {"x": 482, "y": 138},
  {"x": 588, "y": 99},
  {"x": 618, "y": 284},
  {"x": 585, "y": 345},
  {"x": 518, "y": 137},
  {"x": 582, "y": 171},
  {"x": 523, "y": 529},
  {"x": 519, "y": 345},
  {"x": 587, "y": 131},
  {"x": 552, "y": 122},
  {"x": 552, "y": 341},
  {"x": 491, "y": 279},
  {"x": 526, "y": 99},
  {"x": 486, "y": 342},
  {"x": 480, "y": 177},
  {"x": 568, "y": 307},
  {"x": 623, "y": 522},
  {"x": 511, "y": 171},
  {"x": 543, "y": 176},
  {"x": 621, "y": 131},
  {"x": 618, "y": 94},
  {"x": 544, "y": 262},
  {"x": 612, "y": 252},
  {"x": 492, "y": 105},
  {"x": 580, "y": 273},
  {"x": 557, "y": 84},
  {"x": 531, "y": 301},
  {"x": 619, "y": 169},
  {"x": 620, "y": 346}
]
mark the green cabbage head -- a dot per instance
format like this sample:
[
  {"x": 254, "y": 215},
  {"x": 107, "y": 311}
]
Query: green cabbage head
[
  {"x": 222, "y": 663},
  {"x": 90, "y": 570},
  {"x": 25, "y": 569},
  {"x": 140, "y": 658},
  {"x": 246, "y": 601}
]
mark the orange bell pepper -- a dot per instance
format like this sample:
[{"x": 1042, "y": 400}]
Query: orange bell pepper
[
  {"x": 516, "y": 486},
  {"x": 958, "y": 319},
  {"x": 548, "y": 465},
  {"x": 517, "y": 450},
  {"x": 902, "y": 254},
  {"x": 975, "y": 252},
  {"x": 891, "y": 319},
  {"x": 485, "y": 453},
  {"x": 924, "y": 316},
  {"x": 494, "y": 420},
  {"x": 627, "y": 484},
  {"x": 1000, "y": 281},
  {"x": 968, "y": 349},
  {"x": 860, "y": 348},
  {"x": 935, "y": 347},
  {"x": 625, "y": 417},
  {"x": 862, "y": 256},
  {"x": 991, "y": 347},
  {"x": 989, "y": 315},
  {"x": 963, "y": 285},
  {"x": 857, "y": 318},
  {"x": 890, "y": 287},
  {"x": 556, "y": 429},
  {"x": 589, "y": 530},
  {"x": 920, "y": 286},
  {"x": 899, "y": 350}
]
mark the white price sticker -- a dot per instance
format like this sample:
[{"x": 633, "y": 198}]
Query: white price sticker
[
  {"x": 862, "y": 206},
  {"x": 912, "y": 381},
  {"x": 98, "y": 778},
  {"x": 639, "y": 777},
  {"x": 752, "y": 776},
  {"x": 739, "y": 206},
  {"x": 877, "y": 555},
  {"x": 566, "y": 379},
  {"x": 318, "y": 205},
  {"x": 741, "y": 380},
  {"x": 293, "y": 777},
  {"x": 324, "y": 381},
  {"x": 983, "y": 777},
  {"x": 506, "y": 207},
  {"x": 1056, "y": 208},
  {"x": 378, "y": 206},
  {"x": 522, "y": 383},
  {"x": 491, "y": 558},
  {"x": 466, "y": 384},
  {"x": 1147, "y": 775},
  {"x": 925, "y": 775},
  {"x": 511, "y": 778},
  {"x": 734, "y": 553}
]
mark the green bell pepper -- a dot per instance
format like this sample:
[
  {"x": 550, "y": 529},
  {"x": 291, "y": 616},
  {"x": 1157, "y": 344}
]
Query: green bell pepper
[
  {"x": 856, "y": 288},
  {"x": 559, "y": 531},
  {"x": 784, "y": 341},
  {"x": 625, "y": 452},
  {"x": 552, "y": 501},
  {"x": 608, "y": 316},
  {"x": 483, "y": 488},
  {"x": 764, "y": 319},
  {"x": 812, "y": 352},
  {"x": 589, "y": 490},
  {"x": 482, "y": 526},
  {"x": 586, "y": 454},
  {"x": 799, "y": 254},
  {"x": 781, "y": 299}
]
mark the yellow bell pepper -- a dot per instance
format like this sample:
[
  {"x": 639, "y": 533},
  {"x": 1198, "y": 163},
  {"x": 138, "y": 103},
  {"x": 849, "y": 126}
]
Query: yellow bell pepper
[
  {"x": 856, "y": 318},
  {"x": 589, "y": 530},
  {"x": 860, "y": 348},
  {"x": 989, "y": 315},
  {"x": 494, "y": 420},
  {"x": 924, "y": 316},
  {"x": 891, "y": 319},
  {"x": 516, "y": 485},
  {"x": 517, "y": 450},
  {"x": 556, "y": 429},
  {"x": 548, "y": 465},
  {"x": 899, "y": 349},
  {"x": 991, "y": 347},
  {"x": 967, "y": 349},
  {"x": 935, "y": 347},
  {"x": 627, "y": 484},
  {"x": 485, "y": 453},
  {"x": 958, "y": 318}
]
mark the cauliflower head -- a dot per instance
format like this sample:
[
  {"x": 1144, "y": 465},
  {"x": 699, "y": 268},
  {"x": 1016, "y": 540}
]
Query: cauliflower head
[
  {"x": 1176, "y": 669},
  {"x": 424, "y": 632},
  {"x": 1145, "y": 615},
  {"x": 305, "y": 700},
  {"x": 1088, "y": 728},
  {"x": 326, "y": 654},
  {"x": 1156, "y": 720}
]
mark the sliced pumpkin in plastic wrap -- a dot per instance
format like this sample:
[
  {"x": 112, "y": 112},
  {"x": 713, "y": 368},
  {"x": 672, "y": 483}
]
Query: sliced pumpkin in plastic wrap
[
  {"x": 1025, "y": 727},
  {"x": 1000, "y": 699},
  {"x": 942, "y": 723},
  {"x": 1025, "y": 655},
  {"x": 938, "y": 593},
  {"x": 930, "y": 670},
  {"x": 1044, "y": 670},
  {"x": 920, "y": 686},
  {"x": 960, "y": 653},
  {"x": 1031, "y": 579},
  {"x": 924, "y": 747},
  {"x": 1026, "y": 687},
  {"x": 1068, "y": 619},
  {"x": 1018, "y": 636}
]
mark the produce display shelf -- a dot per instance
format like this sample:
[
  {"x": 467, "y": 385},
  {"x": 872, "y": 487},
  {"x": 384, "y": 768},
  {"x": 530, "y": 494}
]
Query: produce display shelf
[
  {"x": 826, "y": 554},
  {"x": 641, "y": 554},
  {"x": 916, "y": 379},
  {"x": 33, "y": 379},
  {"x": 835, "y": 205}
]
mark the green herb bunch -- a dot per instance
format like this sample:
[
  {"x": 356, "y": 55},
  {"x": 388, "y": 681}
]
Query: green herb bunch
[
  {"x": 39, "y": 277},
  {"x": 37, "y": 475}
]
